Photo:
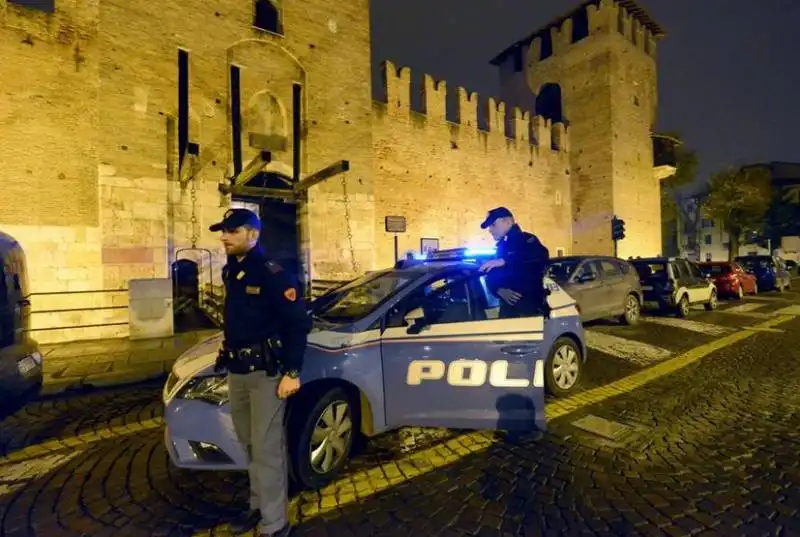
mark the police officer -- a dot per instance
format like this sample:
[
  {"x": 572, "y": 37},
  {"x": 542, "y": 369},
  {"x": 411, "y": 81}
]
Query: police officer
[
  {"x": 517, "y": 275},
  {"x": 266, "y": 329}
]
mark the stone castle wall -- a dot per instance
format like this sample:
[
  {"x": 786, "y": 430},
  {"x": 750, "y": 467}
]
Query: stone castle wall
[
  {"x": 89, "y": 100},
  {"x": 444, "y": 176}
]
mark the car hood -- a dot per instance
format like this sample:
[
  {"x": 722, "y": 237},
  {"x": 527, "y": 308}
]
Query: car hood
[{"x": 199, "y": 359}]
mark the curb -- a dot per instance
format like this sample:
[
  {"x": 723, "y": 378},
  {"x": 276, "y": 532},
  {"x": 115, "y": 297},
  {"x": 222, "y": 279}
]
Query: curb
[{"x": 122, "y": 377}]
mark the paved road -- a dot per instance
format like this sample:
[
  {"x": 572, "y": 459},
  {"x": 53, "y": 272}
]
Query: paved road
[{"x": 709, "y": 448}]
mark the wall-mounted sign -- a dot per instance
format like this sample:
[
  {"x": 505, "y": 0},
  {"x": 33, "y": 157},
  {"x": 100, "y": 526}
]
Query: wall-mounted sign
[
  {"x": 395, "y": 224},
  {"x": 427, "y": 246}
]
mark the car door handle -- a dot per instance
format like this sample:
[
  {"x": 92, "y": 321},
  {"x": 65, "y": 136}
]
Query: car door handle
[{"x": 518, "y": 350}]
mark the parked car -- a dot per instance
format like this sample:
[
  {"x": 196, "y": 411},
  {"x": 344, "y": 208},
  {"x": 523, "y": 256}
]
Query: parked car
[
  {"x": 20, "y": 359},
  {"x": 419, "y": 344},
  {"x": 674, "y": 284},
  {"x": 730, "y": 278},
  {"x": 770, "y": 271},
  {"x": 602, "y": 286}
]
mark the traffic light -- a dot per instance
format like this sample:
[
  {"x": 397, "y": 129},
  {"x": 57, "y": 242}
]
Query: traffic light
[{"x": 617, "y": 229}]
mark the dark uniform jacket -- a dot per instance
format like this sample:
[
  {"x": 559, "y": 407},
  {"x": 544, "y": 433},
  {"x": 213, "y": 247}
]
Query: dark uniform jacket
[
  {"x": 525, "y": 266},
  {"x": 262, "y": 301}
]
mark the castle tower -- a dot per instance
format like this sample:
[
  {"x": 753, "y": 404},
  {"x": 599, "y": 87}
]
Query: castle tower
[{"x": 595, "y": 68}]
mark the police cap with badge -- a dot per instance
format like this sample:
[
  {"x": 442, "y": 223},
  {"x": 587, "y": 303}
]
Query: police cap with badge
[
  {"x": 236, "y": 218},
  {"x": 496, "y": 214}
]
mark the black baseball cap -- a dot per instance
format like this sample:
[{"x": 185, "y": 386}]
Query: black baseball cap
[
  {"x": 494, "y": 214},
  {"x": 235, "y": 218}
]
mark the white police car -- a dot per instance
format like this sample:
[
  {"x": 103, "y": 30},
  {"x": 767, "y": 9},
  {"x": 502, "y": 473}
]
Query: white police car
[{"x": 419, "y": 344}]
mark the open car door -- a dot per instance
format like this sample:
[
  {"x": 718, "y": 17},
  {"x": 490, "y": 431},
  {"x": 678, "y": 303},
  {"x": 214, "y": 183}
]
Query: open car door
[{"x": 448, "y": 361}]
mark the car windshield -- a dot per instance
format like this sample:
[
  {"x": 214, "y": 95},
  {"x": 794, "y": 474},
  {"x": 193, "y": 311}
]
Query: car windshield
[
  {"x": 755, "y": 262},
  {"x": 715, "y": 270},
  {"x": 562, "y": 270},
  {"x": 650, "y": 270},
  {"x": 359, "y": 298}
]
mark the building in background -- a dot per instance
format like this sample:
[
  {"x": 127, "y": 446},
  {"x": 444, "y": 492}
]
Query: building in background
[
  {"x": 702, "y": 239},
  {"x": 129, "y": 127}
]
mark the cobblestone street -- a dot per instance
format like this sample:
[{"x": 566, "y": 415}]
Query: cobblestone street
[{"x": 706, "y": 434}]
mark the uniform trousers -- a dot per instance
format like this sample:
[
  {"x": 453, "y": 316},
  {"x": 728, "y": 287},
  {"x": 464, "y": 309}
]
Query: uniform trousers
[{"x": 257, "y": 415}]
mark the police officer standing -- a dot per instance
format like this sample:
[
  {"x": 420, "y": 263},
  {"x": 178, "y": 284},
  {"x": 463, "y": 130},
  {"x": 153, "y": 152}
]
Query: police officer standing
[
  {"x": 517, "y": 275},
  {"x": 266, "y": 329}
]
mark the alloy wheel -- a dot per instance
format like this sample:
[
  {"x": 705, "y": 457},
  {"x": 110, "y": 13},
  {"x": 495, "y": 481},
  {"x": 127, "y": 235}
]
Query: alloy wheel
[{"x": 331, "y": 437}]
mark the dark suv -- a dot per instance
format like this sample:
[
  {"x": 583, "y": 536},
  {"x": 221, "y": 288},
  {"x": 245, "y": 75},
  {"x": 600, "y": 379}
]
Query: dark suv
[
  {"x": 20, "y": 359},
  {"x": 602, "y": 286}
]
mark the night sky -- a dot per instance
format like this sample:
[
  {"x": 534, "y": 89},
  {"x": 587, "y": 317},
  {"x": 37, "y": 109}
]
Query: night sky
[{"x": 729, "y": 70}]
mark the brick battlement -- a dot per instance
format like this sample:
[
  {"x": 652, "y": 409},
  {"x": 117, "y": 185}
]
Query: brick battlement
[{"x": 538, "y": 131}]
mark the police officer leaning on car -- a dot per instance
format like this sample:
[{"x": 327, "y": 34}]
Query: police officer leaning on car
[
  {"x": 266, "y": 330},
  {"x": 517, "y": 275}
]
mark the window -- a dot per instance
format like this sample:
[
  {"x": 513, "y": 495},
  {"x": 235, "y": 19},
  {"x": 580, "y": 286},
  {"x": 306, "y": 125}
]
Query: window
[
  {"x": 679, "y": 270},
  {"x": 442, "y": 301},
  {"x": 708, "y": 256},
  {"x": 48, "y": 6},
  {"x": 267, "y": 16},
  {"x": 561, "y": 271},
  {"x": 707, "y": 239},
  {"x": 559, "y": 252},
  {"x": 695, "y": 271},
  {"x": 609, "y": 269},
  {"x": 624, "y": 267},
  {"x": 707, "y": 223},
  {"x": 587, "y": 269}
]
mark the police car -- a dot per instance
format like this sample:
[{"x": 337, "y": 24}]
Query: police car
[{"x": 419, "y": 344}]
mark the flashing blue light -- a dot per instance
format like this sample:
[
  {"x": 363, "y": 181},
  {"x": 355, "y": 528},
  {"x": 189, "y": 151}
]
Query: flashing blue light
[
  {"x": 480, "y": 252},
  {"x": 421, "y": 257}
]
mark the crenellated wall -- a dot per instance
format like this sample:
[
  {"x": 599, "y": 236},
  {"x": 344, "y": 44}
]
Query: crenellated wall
[{"x": 444, "y": 177}]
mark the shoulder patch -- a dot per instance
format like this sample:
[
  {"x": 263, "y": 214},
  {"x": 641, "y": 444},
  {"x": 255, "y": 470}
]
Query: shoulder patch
[
  {"x": 290, "y": 294},
  {"x": 273, "y": 267}
]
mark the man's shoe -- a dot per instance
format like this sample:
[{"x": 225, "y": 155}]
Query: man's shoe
[
  {"x": 246, "y": 521},
  {"x": 283, "y": 532}
]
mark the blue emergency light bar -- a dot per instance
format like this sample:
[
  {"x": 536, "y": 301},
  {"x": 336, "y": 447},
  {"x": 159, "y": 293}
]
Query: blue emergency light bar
[{"x": 451, "y": 254}]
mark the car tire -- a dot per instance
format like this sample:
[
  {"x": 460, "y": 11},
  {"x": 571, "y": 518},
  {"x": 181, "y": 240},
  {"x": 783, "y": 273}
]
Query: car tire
[
  {"x": 682, "y": 309},
  {"x": 712, "y": 303},
  {"x": 321, "y": 410},
  {"x": 564, "y": 367},
  {"x": 633, "y": 310}
]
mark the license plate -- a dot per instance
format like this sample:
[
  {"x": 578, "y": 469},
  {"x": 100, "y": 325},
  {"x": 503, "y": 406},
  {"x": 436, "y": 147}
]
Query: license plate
[
  {"x": 26, "y": 365},
  {"x": 647, "y": 288}
]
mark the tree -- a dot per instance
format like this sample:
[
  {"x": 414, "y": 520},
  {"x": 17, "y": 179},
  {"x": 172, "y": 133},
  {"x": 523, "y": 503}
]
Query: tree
[{"x": 738, "y": 200}]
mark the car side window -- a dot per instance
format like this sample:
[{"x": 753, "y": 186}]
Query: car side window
[
  {"x": 678, "y": 270},
  {"x": 440, "y": 301},
  {"x": 609, "y": 269},
  {"x": 624, "y": 267},
  {"x": 588, "y": 268},
  {"x": 695, "y": 271}
]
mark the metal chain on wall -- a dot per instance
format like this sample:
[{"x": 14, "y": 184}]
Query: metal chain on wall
[{"x": 348, "y": 223}]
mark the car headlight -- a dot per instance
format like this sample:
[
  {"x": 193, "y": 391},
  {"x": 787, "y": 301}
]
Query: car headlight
[{"x": 212, "y": 390}]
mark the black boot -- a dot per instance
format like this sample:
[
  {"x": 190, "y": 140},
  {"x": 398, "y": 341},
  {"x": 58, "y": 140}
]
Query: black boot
[
  {"x": 246, "y": 521},
  {"x": 283, "y": 532}
]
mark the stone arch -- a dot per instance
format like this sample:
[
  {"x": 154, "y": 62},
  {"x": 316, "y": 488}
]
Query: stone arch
[
  {"x": 550, "y": 103},
  {"x": 266, "y": 122}
]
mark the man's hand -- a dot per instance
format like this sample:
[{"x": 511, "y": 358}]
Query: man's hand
[
  {"x": 511, "y": 297},
  {"x": 288, "y": 387},
  {"x": 494, "y": 263}
]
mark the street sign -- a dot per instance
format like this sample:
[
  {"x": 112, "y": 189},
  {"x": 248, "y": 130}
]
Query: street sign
[{"x": 395, "y": 224}]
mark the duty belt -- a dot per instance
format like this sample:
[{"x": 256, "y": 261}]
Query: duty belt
[{"x": 256, "y": 357}]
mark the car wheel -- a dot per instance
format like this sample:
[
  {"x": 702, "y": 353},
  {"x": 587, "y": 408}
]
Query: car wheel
[
  {"x": 740, "y": 293},
  {"x": 564, "y": 367},
  {"x": 633, "y": 309},
  {"x": 683, "y": 307},
  {"x": 321, "y": 433},
  {"x": 712, "y": 303}
]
